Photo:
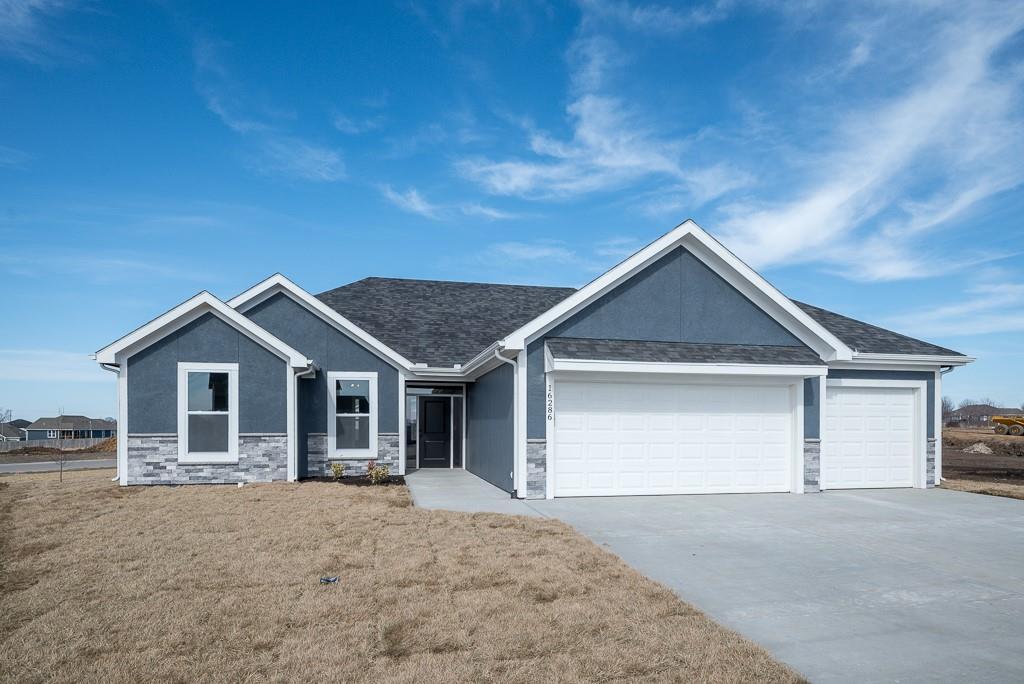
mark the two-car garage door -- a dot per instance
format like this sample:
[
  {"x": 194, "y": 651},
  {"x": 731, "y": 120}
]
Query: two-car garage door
[{"x": 669, "y": 438}]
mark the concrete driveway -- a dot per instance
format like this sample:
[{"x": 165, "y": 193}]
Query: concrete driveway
[{"x": 866, "y": 586}]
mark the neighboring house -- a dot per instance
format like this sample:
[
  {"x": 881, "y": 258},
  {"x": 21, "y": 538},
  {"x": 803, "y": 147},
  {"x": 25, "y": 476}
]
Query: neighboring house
[
  {"x": 680, "y": 370},
  {"x": 980, "y": 414},
  {"x": 71, "y": 427},
  {"x": 12, "y": 432}
]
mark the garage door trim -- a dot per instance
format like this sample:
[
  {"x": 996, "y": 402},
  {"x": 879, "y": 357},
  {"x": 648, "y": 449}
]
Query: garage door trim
[
  {"x": 794, "y": 383},
  {"x": 920, "y": 388}
]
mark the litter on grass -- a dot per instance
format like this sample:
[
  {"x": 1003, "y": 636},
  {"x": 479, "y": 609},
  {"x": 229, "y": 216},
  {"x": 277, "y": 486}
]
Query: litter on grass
[{"x": 329, "y": 580}]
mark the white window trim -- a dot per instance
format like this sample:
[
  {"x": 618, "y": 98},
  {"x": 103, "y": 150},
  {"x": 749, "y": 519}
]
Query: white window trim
[
  {"x": 231, "y": 455},
  {"x": 333, "y": 453},
  {"x": 52, "y": 434}
]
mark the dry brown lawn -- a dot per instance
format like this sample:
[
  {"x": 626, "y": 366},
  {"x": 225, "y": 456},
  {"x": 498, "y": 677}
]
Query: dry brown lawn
[
  {"x": 1007, "y": 489},
  {"x": 214, "y": 583}
]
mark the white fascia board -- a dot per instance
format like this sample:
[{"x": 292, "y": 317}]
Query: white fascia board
[
  {"x": 279, "y": 283},
  {"x": 687, "y": 368},
  {"x": 910, "y": 359},
  {"x": 189, "y": 310},
  {"x": 689, "y": 234}
]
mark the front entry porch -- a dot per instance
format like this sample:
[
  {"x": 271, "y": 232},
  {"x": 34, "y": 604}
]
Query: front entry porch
[{"x": 434, "y": 426}]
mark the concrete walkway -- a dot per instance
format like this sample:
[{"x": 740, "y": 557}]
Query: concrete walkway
[
  {"x": 53, "y": 466},
  {"x": 460, "y": 490},
  {"x": 902, "y": 585}
]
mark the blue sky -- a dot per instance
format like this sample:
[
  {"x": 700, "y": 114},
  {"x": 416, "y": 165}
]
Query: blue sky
[{"x": 866, "y": 157}]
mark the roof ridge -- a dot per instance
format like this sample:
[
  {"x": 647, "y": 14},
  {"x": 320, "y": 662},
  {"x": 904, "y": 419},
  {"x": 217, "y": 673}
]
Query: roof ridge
[{"x": 454, "y": 282}]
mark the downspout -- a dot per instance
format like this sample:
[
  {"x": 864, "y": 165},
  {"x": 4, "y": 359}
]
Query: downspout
[
  {"x": 515, "y": 415},
  {"x": 114, "y": 369},
  {"x": 942, "y": 371}
]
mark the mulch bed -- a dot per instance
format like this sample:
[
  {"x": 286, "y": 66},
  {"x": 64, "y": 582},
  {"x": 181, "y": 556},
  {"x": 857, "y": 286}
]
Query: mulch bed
[{"x": 359, "y": 481}]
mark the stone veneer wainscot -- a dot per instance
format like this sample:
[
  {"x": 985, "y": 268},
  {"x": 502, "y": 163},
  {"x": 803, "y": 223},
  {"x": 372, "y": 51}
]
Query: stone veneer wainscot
[
  {"x": 153, "y": 459},
  {"x": 318, "y": 465}
]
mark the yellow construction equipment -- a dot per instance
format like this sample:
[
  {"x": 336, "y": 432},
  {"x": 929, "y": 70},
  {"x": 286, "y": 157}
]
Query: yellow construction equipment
[{"x": 1009, "y": 425}]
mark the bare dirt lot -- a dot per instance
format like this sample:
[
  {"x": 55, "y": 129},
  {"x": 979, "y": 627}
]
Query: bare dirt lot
[
  {"x": 966, "y": 467},
  {"x": 215, "y": 583}
]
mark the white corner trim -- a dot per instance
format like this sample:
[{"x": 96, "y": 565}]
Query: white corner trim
[
  {"x": 686, "y": 368},
  {"x": 291, "y": 385},
  {"x": 332, "y": 426},
  {"x": 807, "y": 329},
  {"x": 520, "y": 422},
  {"x": 122, "y": 421},
  {"x": 279, "y": 283},
  {"x": 188, "y": 311},
  {"x": 402, "y": 428},
  {"x": 229, "y": 456}
]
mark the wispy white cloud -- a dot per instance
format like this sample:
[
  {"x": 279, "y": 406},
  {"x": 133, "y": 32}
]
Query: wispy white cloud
[
  {"x": 484, "y": 211},
  {"x": 556, "y": 252},
  {"x": 96, "y": 267},
  {"x": 12, "y": 158},
  {"x": 655, "y": 18},
  {"x": 981, "y": 309},
  {"x": 272, "y": 150},
  {"x": 411, "y": 201},
  {"x": 899, "y": 169},
  {"x": 27, "y": 30},
  {"x": 50, "y": 365},
  {"x": 357, "y": 126}
]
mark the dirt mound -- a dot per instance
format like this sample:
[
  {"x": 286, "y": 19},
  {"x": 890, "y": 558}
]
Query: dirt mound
[{"x": 1012, "y": 447}]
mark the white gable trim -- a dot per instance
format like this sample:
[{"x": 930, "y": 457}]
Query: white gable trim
[
  {"x": 721, "y": 261},
  {"x": 276, "y": 283},
  {"x": 185, "y": 313}
]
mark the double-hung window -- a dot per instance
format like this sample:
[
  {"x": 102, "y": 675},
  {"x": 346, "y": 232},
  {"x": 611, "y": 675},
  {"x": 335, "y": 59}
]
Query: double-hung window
[
  {"x": 207, "y": 412},
  {"x": 51, "y": 434},
  {"x": 352, "y": 415}
]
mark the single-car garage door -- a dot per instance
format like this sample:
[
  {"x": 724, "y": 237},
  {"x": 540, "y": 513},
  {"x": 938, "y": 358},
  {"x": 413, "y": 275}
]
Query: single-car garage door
[
  {"x": 657, "y": 438},
  {"x": 869, "y": 437}
]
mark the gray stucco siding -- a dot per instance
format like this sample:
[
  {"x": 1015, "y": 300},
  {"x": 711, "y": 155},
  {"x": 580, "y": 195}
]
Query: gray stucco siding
[
  {"x": 490, "y": 432},
  {"x": 812, "y": 408},
  {"x": 927, "y": 376},
  {"x": 676, "y": 299},
  {"x": 153, "y": 378},
  {"x": 331, "y": 350}
]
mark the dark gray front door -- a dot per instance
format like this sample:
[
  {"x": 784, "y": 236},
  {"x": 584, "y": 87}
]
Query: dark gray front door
[{"x": 435, "y": 419}]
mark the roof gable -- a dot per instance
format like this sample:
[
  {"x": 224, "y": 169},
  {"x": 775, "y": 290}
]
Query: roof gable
[
  {"x": 188, "y": 311},
  {"x": 717, "y": 258}
]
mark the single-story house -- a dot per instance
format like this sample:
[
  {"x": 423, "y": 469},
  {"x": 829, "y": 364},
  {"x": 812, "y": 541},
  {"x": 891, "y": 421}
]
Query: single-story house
[
  {"x": 70, "y": 427},
  {"x": 12, "y": 432},
  {"x": 980, "y": 414},
  {"x": 680, "y": 370}
]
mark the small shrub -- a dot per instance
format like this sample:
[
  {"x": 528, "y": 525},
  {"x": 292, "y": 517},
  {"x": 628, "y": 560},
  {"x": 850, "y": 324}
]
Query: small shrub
[
  {"x": 338, "y": 469},
  {"x": 377, "y": 474}
]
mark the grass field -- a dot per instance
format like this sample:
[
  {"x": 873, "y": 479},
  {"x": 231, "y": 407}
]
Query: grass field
[{"x": 214, "y": 583}]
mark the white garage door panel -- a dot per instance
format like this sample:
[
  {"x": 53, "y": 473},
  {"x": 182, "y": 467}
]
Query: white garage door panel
[
  {"x": 635, "y": 438},
  {"x": 869, "y": 438}
]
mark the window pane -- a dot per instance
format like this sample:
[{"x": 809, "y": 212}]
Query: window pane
[
  {"x": 207, "y": 433},
  {"x": 353, "y": 432},
  {"x": 352, "y": 396},
  {"x": 207, "y": 391}
]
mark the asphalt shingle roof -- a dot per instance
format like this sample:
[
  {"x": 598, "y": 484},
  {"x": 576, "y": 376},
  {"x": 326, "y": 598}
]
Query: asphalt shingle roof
[
  {"x": 679, "y": 352},
  {"x": 72, "y": 423},
  {"x": 443, "y": 323},
  {"x": 870, "y": 339},
  {"x": 440, "y": 323}
]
